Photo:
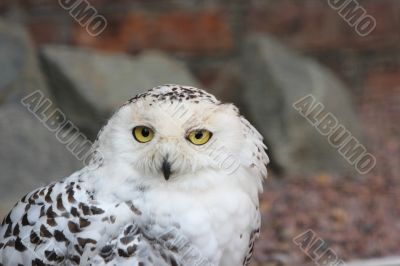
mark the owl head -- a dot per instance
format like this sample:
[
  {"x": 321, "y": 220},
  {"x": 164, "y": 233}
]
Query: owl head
[{"x": 173, "y": 133}]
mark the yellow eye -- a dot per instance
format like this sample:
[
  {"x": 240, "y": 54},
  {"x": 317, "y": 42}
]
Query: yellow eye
[
  {"x": 143, "y": 134},
  {"x": 199, "y": 137}
]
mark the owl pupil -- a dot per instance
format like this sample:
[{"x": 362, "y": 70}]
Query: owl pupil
[
  {"x": 199, "y": 135},
  {"x": 145, "y": 132}
]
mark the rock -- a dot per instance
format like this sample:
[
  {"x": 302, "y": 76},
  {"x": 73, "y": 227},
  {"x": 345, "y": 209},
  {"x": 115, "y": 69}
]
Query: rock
[
  {"x": 30, "y": 155},
  {"x": 275, "y": 77},
  {"x": 20, "y": 73},
  {"x": 90, "y": 85},
  {"x": 228, "y": 85}
]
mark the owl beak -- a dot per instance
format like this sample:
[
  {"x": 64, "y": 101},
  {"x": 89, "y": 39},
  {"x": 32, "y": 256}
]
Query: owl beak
[{"x": 166, "y": 169}]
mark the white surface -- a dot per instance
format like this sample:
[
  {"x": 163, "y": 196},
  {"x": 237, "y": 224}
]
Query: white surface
[{"x": 389, "y": 261}]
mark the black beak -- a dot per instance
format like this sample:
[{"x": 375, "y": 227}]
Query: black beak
[{"x": 166, "y": 169}]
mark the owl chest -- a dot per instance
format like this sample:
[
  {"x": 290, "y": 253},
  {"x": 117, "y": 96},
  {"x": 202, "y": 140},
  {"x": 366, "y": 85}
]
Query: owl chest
[{"x": 217, "y": 224}]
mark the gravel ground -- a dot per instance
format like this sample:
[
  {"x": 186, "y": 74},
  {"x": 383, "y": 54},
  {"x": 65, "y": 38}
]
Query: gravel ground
[{"x": 357, "y": 218}]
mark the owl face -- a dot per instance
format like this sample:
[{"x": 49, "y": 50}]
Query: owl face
[{"x": 173, "y": 137}]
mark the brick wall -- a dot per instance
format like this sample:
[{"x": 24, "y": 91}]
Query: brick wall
[{"x": 208, "y": 33}]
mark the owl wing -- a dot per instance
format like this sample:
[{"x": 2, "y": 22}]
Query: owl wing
[
  {"x": 63, "y": 224},
  {"x": 256, "y": 159},
  {"x": 256, "y": 155},
  {"x": 253, "y": 237},
  {"x": 51, "y": 225}
]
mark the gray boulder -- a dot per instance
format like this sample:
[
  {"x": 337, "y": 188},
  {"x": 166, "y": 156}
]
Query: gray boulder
[
  {"x": 90, "y": 85},
  {"x": 228, "y": 85},
  {"x": 275, "y": 77},
  {"x": 30, "y": 155},
  {"x": 20, "y": 73}
]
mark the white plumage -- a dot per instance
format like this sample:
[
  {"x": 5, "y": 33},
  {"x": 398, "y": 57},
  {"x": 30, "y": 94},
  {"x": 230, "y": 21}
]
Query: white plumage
[{"x": 154, "y": 194}]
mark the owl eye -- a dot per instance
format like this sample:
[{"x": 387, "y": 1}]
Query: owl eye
[
  {"x": 143, "y": 134},
  {"x": 199, "y": 137}
]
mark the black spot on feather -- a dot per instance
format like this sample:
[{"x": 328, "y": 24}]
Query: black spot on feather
[
  {"x": 16, "y": 230},
  {"x": 42, "y": 211},
  {"x": 52, "y": 222},
  {"x": 131, "y": 250},
  {"x": 59, "y": 236},
  {"x": 47, "y": 198},
  {"x": 34, "y": 238},
  {"x": 78, "y": 249},
  {"x": 85, "y": 208},
  {"x": 25, "y": 220},
  {"x": 122, "y": 253},
  {"x": 133, "y": 207},
  {"x": 60, "y": 205},
  {"x": 10, "y": 243},
  {"x": 83, "y": 222},
  {"x": 38, "y": 262},
  {"x": 6, "y": 220},
  {"x": 19, "y": 246},
  {"x": 52, "y": 256},
  {"x": 95, "y": 210},
  {"x": 76, "y": 259},
  {"x": 44, "y": 232},
  {"x": 71, "y": 198},
  {"x": 50, "y": 213},
  {"x": 84, "y": 241},
  {"x": 74, "y": 212},
  {"x": 8, "y": 231},
  {"x": 73, "y": 227},
  {"x": 126, "y": 240}
]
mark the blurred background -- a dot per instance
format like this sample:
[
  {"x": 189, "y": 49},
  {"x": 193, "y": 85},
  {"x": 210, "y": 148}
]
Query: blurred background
[{"x": 88, "y": 57}]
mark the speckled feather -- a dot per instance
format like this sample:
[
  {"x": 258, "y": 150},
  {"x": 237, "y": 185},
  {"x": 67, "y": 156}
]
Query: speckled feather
[{"x": 63, "y": 223}]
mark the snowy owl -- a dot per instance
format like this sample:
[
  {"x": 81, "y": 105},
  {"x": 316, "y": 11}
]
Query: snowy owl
[{"x": 177, "y": 184}]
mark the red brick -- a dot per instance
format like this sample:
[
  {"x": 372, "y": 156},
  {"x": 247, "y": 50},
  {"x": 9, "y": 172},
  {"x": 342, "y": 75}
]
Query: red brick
[
  {"x": 380, "y": 106},
  {"x": 128, "y": 33},
  {"x": 205, "y": 31},
  {"x": 314, "y": 25},
  {"x": 384, "y": 81},
  {"x": 382, "y": 92},
  {"x": 303, "y": 24},
  {"x": 280, "y": 17},
  {"x": 386, "y": 35},
  {"x": 30, "y": 4}
]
